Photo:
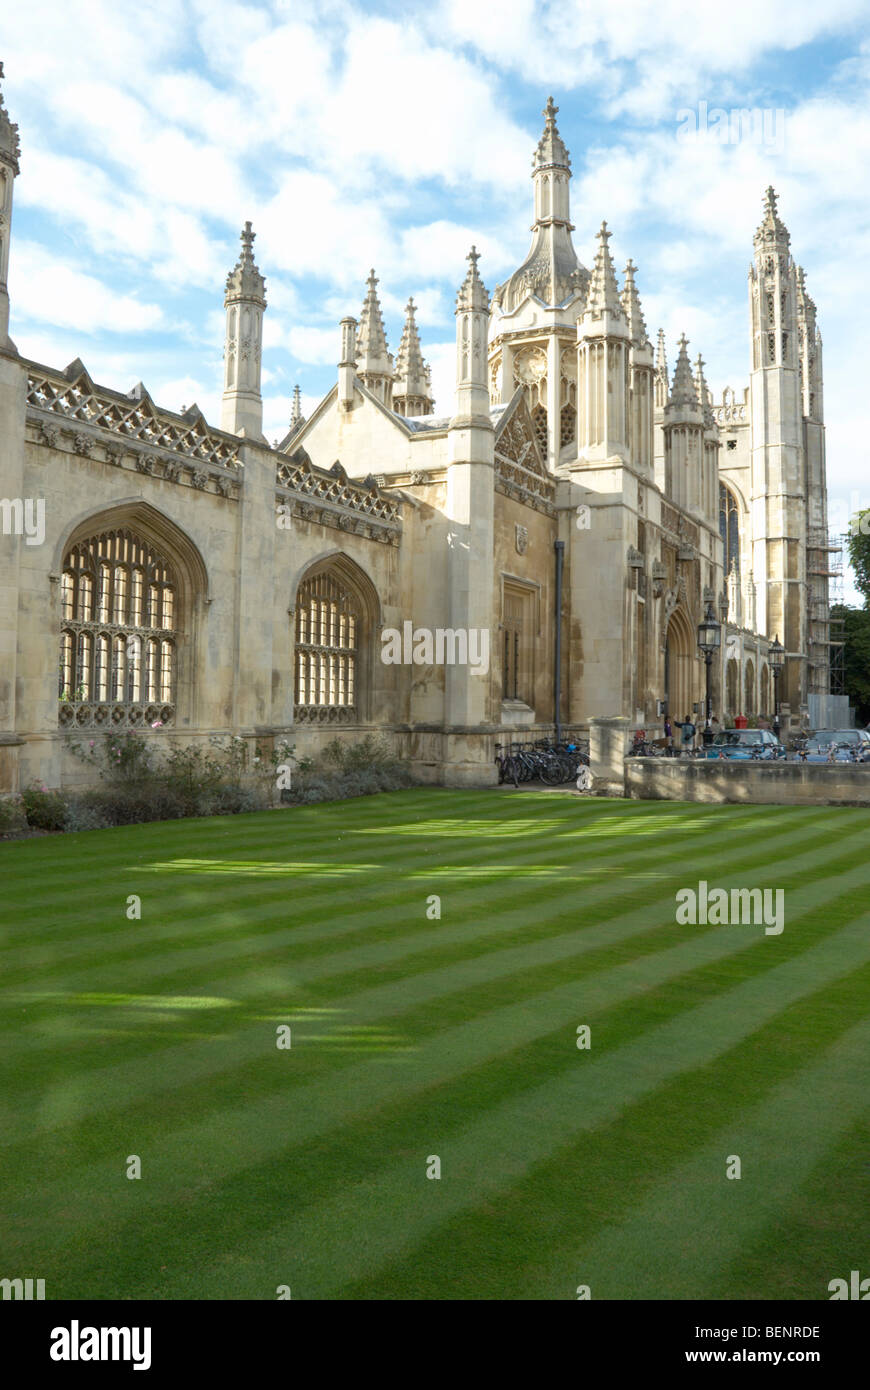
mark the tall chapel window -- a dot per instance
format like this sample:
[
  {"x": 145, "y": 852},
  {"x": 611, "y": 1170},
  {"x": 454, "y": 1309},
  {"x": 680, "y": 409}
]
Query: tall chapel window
[
  {"x": 327, "y": 649},
  {"x": 729, "y": 528},
  {"x": 118, "y": 640},
  {"x": 518, "y": 640}
]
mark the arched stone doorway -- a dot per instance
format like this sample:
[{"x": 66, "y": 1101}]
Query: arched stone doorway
[{"x": 679, "y": 665}]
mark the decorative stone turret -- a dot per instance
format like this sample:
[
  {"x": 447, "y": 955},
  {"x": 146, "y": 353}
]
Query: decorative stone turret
[
  {"x": 412, "y": 389},
  {"x": 661, "y": 373},
  {"x": 661, "y": 392},
  {"x": 777, "y": 441},
  {"x": 810, "y": 349},
  {"x": 296, "y": 416},
  {"x": 603, "y": 345},
  {"x": 773, "y": 294},
  {"x": 245, "y": 301},
  {"x": 470, "y": 510},
  {"x": 472, "y": 321},
  {"x": 347, "y": 365},
  {"x": 9, "y": 156},
  {"x": 374, "y": 365},
  {"x": 551, "y": 269},
  {"x": 709, "y": 493},
  {"x": 683, "y": 430},
  {"x": 641, "y": 375}
]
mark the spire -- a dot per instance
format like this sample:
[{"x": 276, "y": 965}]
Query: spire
[
  {"x": 472, "y": 324},
  {"x": 661, "y": 358},
  {"x": 374, "y": 363},
  {"x": 703, "y": 392},
  {"x": 603, "y": 294},
  {"x": 296, "y": 416},
  {"x": 551, "y": 270},
  {"x": 631, "y": 307},
  {"x": 772, "y": 232},
  {"x": 244, "y": 280},
  {"x": 10, "y": 150},
  {"x": 472, "y": 293},
  {"x": 683, "y": 392},
  {"x": 551, "y": 152},
  {"x": 412, "y": 392},
  {"x": 244, "y": 301},
  {"x": 9, "y": 154}
]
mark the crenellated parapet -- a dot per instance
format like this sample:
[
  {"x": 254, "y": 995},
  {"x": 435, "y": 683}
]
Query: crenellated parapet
[
  {"x": 68, "y": 412},
  {"x": 328, "y": 497}
]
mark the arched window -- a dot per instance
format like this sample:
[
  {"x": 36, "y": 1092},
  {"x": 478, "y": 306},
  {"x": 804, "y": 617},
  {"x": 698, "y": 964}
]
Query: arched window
[
  {"x": 729, "y": 528},
  {"x": 328, "y": 627},
  {"x": 749, "y": 689},
  {"x": 118, "y": 638},
  {"x": 568, "y": 422}
]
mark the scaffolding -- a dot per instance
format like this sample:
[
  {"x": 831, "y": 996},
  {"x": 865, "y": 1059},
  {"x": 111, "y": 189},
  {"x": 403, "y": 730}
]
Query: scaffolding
[
  {"x": 824, "y": 587},
  {"x": 836, "y": 625}
]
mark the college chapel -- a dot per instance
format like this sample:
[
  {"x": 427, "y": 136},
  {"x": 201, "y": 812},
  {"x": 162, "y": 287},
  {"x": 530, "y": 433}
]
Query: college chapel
[{"x": 542, "y": 552}]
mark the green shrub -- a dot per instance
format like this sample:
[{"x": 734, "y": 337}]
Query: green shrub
[
  {"x": 368, "y": 752},
  {"x": 44, "y": 809},
  {"x": 192, "y": 775},
  {"x": 229, "y": 800},
  {"x": 12, "y": 818},
  {"x": 85, "y": 813},
  {"x": 119, "y": 758}
]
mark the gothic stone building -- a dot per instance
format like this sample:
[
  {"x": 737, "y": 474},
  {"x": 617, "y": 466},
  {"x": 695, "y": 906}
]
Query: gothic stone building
[{"x": 163, "y": 574}]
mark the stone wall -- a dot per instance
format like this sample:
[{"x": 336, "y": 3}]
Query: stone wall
[{"x": 787, "y": 784}]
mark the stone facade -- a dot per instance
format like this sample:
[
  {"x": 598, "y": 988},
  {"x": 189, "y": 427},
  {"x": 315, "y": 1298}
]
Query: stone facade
[{"x": 387, "y": 570}]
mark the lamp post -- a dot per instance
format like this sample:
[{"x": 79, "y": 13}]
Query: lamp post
[
  {"x": 709, "y": 641},
  {"x": 776, "y": 661}
]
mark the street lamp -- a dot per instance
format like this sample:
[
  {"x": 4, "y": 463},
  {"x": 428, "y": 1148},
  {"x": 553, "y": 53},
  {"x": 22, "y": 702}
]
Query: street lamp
[
  {"x": 709, "y": 641},
  {"x": 776, "y": 661}
]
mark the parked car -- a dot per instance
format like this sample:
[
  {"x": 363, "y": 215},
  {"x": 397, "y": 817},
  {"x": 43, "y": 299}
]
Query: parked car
[
  {"x": 745, "y": 744},
  {"x": 836, "y": 746}
]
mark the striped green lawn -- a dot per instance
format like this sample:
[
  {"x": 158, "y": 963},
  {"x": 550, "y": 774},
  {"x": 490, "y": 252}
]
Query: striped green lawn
[{"x": 454, "y": 1037}]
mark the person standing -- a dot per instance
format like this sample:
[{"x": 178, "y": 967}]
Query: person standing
[
  {"x": 669, "y": 736},
  {"x": 688, "y": 731}
]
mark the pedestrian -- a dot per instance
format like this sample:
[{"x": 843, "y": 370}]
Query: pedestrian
[
  {"x": 669, "y": 737},
  {"x": 688, "y": 732},
  {"x": 715, "y": 725}
]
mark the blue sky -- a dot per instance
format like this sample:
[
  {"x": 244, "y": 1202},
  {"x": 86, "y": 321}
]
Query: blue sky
[{"x": 395, "y": 135}]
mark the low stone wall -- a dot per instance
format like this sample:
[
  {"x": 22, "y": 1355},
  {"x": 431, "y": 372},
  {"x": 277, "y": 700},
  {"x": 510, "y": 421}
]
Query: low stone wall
[{"x": 790, "y": 784}]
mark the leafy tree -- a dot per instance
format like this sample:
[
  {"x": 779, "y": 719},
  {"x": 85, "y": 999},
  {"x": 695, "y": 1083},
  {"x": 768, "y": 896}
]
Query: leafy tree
[
  {"x": 856, "y": 656},
  {"x": 858, "y": 548}
]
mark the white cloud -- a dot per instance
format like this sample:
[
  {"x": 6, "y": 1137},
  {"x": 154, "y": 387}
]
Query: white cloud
[{"x": 50, "y": 292}]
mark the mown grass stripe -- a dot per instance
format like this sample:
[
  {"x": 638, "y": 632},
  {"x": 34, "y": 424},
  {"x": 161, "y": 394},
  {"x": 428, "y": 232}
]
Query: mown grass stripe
[
  {"x": 521, "y": 1131},
  {"x": 140, "y": 963},
  {"x": 345, "y": 1237},
  {"x": 547, "y": 947}
]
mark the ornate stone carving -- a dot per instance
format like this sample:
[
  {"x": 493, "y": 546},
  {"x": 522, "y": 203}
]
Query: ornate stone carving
[
  {"x": 530, "y": 366},
  {"x": 521, "y": 538}
]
